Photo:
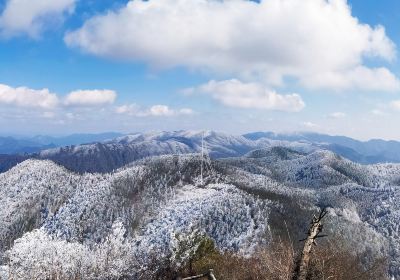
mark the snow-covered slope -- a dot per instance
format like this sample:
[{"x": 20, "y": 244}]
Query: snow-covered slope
[
  {"x": 113, "y": 154},
  {"x": 114, "y": 225},
  {"x": 368, "y": 152},
  {"x": 110, "y": 155},
  {"x": 154, "y": 199}
]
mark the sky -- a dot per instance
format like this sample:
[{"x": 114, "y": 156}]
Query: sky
[{"x": 87, "y": 66}]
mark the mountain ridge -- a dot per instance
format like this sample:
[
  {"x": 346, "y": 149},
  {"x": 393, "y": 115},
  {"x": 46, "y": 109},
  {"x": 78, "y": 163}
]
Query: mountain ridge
[
  {"x": 26, "y": 145},
  {"x": 112, "y": 154}
]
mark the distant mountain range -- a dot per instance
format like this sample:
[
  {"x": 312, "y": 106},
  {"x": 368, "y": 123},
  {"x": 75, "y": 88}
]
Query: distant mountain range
[
  {"x": 23, "y": 145},
  {"x": 372, "y": 151},
  {"x": 109, "y": 151}
]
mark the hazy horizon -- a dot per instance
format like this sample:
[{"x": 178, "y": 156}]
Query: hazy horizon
[{"x": 27, "y": 136}]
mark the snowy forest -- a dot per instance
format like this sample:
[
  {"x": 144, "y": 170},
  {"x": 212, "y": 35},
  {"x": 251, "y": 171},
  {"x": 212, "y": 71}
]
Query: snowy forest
[{"x": 179, "y": 215}]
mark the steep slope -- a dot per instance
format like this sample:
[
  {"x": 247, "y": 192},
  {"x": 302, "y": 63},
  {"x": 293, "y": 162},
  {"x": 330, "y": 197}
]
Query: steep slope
[
  {"x": 361, "y": 194},
  {"x": 30, "y": 193}
]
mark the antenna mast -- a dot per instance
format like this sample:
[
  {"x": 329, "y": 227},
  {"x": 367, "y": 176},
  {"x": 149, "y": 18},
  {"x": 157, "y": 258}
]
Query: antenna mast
[{"x": 202, "y": 157}]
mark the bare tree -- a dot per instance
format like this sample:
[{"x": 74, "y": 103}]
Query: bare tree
[{"x": 314, "y": 232}]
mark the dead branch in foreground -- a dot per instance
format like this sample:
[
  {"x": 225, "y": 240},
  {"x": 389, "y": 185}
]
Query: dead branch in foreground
[{"x": 314, "y": 232}]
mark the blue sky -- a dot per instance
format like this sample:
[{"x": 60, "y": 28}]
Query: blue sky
[{"x": 70, "y": 66}]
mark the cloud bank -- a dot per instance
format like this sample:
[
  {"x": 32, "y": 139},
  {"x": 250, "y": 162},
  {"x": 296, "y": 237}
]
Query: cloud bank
[
  {"x": 322, "y": 47},
  {"x": 90, "y": 98},
  {"x": 153, "y": 111},
  {"x": 44, "y": 99},
  {"x": 32, "y": 17},
  {"x": 26, "y": 97},
  {"x": 234, "y": 93}
]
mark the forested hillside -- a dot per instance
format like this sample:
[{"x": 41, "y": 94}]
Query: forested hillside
[{"x": 148, "y": 219}]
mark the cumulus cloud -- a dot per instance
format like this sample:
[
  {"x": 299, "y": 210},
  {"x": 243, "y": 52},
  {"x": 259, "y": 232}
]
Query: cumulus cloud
[
  {"x": 317, "y": 42},
  {"x": 337, "y": 115},
  {"x": 31, "y": 17},
  {"x": 234, "y": 93},
  {"x": 46, "y": 101},
  {"x": 153, "y": 111},
  {"x": 90, "y": 98},
  {"x": 26, "y": 97}
]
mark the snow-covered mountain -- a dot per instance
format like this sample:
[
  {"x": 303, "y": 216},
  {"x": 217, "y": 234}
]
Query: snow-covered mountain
[
  {"x": 372, "y": 151},
  {"x": 108, "y": 155},
  {"x": 114, "y": 225},
  {"x": 109, "y": 151}
]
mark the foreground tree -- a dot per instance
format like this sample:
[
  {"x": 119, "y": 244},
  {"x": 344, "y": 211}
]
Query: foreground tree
[{"x": 313, "y": 233}]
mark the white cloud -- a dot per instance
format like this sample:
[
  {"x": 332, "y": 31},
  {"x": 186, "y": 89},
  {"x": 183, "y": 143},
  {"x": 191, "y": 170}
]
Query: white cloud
[
  {"x": 359, "y": 78},
  {"x": 337, "y": 115},
  {"x": 26, "y": 97},
  {"x": 160, "y": 110},
  {"x": 395, "y": 105},
  {"x": 131, "y": 109},
  {"x": 186, "y": 111},
  {"x": 31, "y": 17},
  {"x": 317, "y": 42},
  {"x": 90, "y": 98},
  {"x": 153, "y": 111},
  {"x": 46, "y": 101},
  {"x": 234, "y": 93},
  {"x": 309, "y": 125}
]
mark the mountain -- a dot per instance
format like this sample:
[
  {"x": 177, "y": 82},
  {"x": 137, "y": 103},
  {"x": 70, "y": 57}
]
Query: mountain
[
  {"x": 372, "y": 151},
  {"x": 10, "y": 145},
  {"x": 109, "y": 151},
  {"x": 75, "y": 139},
  {"x": 113, "y": 154},
  {"x": 123, "y": 224},
  {"x": 28, "y": 145},
  {"x": 150, "y": 199},
  {"x": 220, "y": 145}
]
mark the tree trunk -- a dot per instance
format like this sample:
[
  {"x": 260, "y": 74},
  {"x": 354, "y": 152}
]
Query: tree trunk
[{"x": 313, "y": 233}]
